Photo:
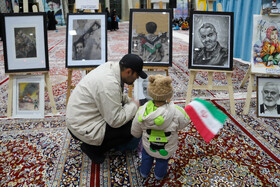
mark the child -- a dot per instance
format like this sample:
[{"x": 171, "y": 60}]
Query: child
[
  {"x": 158, "y": 121},
  {"x": 151, "y": 44}
]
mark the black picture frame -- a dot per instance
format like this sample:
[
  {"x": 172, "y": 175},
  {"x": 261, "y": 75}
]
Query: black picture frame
[
  {"x": 154, "y": 48},
  {"x": 25, "y": 42},
  {"x": 271, "y": 85},
  {"x": 91, "y": 44},
  {"x": 220, "y": 44}
]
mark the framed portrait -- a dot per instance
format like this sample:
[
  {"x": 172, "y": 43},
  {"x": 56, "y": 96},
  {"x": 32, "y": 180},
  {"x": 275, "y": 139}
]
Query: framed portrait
[
  {"x": 265, "y": 58},
  {"x": 28, "y": 96},
  {"x": 211, "y": 40},
  {"x": 56, "y": 7},
  {"x": 150, "y": 36},
  {"x": 86, "y": 40},
  {"x": 268, "y": 97},
  {"x": 271, "y": 6},
  {"x": 141, "y": 87},
  {"x": 25, "y": 42}
]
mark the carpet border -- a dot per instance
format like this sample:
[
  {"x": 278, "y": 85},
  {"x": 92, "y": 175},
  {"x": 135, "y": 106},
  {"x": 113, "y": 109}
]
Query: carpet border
[{"x": 247, "y": 132}]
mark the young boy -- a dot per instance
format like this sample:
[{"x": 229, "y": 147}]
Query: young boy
[{"x": 158, "y": 122}]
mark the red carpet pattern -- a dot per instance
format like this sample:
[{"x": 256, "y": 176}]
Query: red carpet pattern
[
  {"x": 230, "y": 159},
  {"x": 41, "y": 153}
]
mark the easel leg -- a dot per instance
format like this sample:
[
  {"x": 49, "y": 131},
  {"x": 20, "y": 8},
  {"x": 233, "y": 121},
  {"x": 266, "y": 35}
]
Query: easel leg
[
  {"x": 190, "y": 87},
  {"x": 210, "y": 80},
  {"x": 246, "y": 77},
  {"x": 249, "y": 94},
  {"x": 231, "y": 95},
  {"x": 49, "y": 87},
  {"x": 10, "y": 96},
  {"x": 69, "y": 82}
]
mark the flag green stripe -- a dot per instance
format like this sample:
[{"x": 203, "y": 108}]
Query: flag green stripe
[{"x": 219, "y": 115}]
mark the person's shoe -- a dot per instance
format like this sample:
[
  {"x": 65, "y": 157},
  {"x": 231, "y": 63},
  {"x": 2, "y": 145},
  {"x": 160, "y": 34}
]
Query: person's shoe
[
  {"x": 129, "y": 146},
  {"x": 160, "y": 178},
  {"x": 142, "y": 175},
  {"x": 95, "y": 158}
]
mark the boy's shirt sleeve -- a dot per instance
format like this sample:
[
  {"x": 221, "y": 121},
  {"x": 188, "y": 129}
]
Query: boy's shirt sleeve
[
  {"x": 136, "y": 129},
  {"x": 184, "y": 118}
]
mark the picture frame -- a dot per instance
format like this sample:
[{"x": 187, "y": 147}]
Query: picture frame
[
  {"x": 25, "y": 42},
  {"x": 268, "y": 97},
  {"x": 141, "y": 85},
  {"x": 265, "y": 58},
  {"x": 28, "y": 96},
  {"x": 209, "y": 49},
  {"x": 150, "y": 36},
  {"x": 86, "y": 40},
  {"x": 57, "y": 7},
  {"x": 271, "y": 6}
]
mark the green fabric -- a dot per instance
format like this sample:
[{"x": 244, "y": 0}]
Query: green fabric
[
  {"x": 159, "y": 120},
  {"x": 163, "y": 152},
  {"x": 150, "y": 108},
  {"x": 152, "y": 51},
  {"x": 140, "y": 118},
  {"x": 218, "y": 114},
  {"x": 157, "y": 136},
  {"x": 183, "y": 111}
]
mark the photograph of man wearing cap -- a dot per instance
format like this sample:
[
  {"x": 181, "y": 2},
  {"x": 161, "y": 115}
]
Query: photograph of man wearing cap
[{"x": 98, "y": 113}]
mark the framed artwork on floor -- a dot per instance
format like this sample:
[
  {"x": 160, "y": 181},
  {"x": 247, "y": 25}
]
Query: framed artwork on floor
[
  {"x": 211, "y": 40},
  {"x": 25, "y": 42},
  {"x": 150, "y": 36},
  {"x": 86, "y": 40},
  {"x": 265, "y": 58},
  {"x": 28, "y": 96},
  {"x": 141, "y": 87},
  {"x": 268, "y": 97}
]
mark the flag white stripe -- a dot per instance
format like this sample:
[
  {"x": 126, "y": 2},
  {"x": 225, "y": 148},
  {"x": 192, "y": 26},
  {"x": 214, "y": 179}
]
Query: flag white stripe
[{"x": 208, "y": 119}]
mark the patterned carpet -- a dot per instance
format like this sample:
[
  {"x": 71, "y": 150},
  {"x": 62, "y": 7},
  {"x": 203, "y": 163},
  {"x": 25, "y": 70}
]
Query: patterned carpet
[{"x": 41, "y": 152}]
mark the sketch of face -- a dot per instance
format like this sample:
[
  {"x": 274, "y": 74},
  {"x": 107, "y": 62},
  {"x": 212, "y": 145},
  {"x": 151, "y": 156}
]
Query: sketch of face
[
  {"x": 208, "y": 38},
  {"x": 53, "y": 6},
  {"x": 79, "y": 48},
  {"x": 145, "y": 88},
  {"x": 270, "y": 94},
  {"x": 274, "y": 36}
]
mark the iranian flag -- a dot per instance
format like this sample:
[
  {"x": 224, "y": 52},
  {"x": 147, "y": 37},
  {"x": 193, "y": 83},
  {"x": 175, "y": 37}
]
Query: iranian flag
[{"x": 207, "y": 119}]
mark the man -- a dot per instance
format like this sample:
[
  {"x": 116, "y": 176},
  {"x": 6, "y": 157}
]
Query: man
[
  {"x": 270, "y": 95},
  {"x": 98, "y": 113},
  {"x": 212, "y": 53},
  {"x": 79, "y": 49},
  {"x": 54, "y": 5}
]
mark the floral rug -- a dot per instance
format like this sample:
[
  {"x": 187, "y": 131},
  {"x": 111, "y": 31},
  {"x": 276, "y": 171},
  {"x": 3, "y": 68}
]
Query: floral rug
[
  {"x": 230, "y": 159},
  {"x": 42, "y": 153}
]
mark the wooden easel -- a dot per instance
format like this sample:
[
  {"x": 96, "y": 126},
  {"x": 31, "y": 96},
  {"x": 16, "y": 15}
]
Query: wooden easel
[
  {"x": 149, "y": 68},
  {"x": 48, "y": 88},
  {"x": 69, "y": 80},
  {"x": 210, "y": 86}
]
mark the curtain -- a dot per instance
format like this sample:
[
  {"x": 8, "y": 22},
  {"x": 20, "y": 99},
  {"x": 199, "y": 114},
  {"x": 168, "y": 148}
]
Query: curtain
[{"x": 243, "y": 24}]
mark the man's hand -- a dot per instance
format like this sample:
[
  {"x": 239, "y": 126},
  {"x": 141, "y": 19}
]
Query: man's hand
[{"x": 136, "y": 102}]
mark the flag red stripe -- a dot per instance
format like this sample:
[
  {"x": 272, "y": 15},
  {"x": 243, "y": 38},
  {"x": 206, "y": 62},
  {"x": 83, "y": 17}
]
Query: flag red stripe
[{"x": 206, "y": 134}]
